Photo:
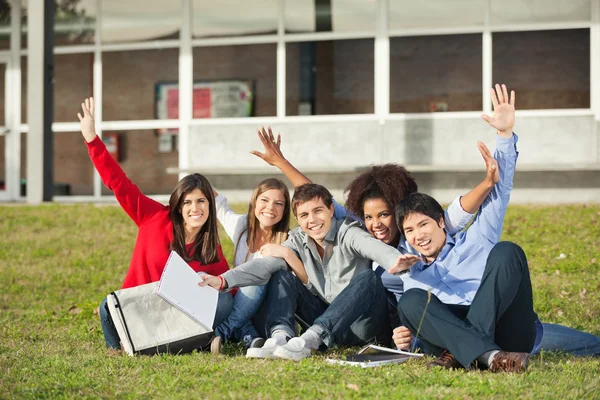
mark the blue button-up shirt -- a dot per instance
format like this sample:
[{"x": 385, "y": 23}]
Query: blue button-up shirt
[{"x": 455, "y": 275}]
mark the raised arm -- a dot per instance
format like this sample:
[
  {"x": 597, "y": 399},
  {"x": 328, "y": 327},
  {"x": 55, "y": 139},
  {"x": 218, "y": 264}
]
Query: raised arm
[
  {"x": 131, "y": 199},
  {"x": 489, "y": 221},
  {"x": 234, "y": 224},
  {"x": 273, "y": 156}
]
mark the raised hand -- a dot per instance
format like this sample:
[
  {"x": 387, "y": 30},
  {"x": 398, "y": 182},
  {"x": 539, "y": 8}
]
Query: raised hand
[
  {"x": 86, "y": 121},
  {"x": 491, "y": 164},
  {"x": 504, "y": 111},
  {"x": 272, "y": 155},
  {"x": 403, "y": 263}
]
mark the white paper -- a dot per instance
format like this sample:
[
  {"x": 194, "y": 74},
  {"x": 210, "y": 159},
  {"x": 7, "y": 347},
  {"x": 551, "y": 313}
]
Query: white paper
[{"x": 179, "y": 286}]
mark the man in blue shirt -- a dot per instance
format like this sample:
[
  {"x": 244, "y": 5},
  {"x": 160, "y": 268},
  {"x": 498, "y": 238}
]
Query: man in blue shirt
[{"x": 470, "y": 299}]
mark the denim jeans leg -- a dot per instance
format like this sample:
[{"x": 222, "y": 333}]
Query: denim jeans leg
[
  {"x": 111, "y": 337},
  {"x": 245, "y": 304},
  {"x": 224, "y": 306},
  {"x": 364, "y": 293},
  {"x": 285, "y": 295},
  {"x": 569, "y": 340}
]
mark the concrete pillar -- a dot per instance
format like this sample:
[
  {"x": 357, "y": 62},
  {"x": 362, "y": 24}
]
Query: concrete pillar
[{"x": 35, "y": 103}]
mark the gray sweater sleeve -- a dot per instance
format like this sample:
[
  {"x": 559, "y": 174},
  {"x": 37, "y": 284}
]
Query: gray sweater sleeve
[
  {"x": 254, "y": 272},
  {"x": 366, "y": 246}
]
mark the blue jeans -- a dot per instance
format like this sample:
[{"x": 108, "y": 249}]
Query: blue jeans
[
  {"x": 569, "y": 340},
  {"x": 111, "y": 337},
  {"x": 358, "y": 315},
  {"x": 238, "y": 324}
]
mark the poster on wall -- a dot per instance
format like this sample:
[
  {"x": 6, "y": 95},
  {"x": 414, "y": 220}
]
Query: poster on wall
[{"x": 219, "y": 99}]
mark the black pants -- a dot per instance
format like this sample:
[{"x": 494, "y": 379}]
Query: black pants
[{"x": 501, "y": 316}]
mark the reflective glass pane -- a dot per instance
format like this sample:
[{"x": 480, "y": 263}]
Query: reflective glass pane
[
  {"x": 234, "y": 81},
  {"x": 234, "y": 17},
  {"x": 140, "y": 156},
  {"x": 140, "y": 20},
  {"x": 5, "y": 7},
  {"x": 74, "y": 22},
  {"x": 72, "y": 84},
  {"x": 435, "y": 73},
  {"x": 435, "y": 13},
  {"x": 329, "y": 16},
  {"x": 73, "y": 170},
  {"x": 527, "y": 11},
  {"x": 547, "y": 69},
  {"x": 130, "y": 80},
  {"x": 330, "y": 77}
]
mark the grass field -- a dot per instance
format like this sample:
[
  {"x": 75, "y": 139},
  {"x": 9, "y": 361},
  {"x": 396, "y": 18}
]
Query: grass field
[{"x": 57, "y": 262}]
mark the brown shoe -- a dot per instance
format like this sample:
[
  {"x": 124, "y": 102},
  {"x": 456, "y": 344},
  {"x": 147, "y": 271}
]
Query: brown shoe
[
  {"x": 505, "y": 361},
  {"x": 445, "y": 360}
]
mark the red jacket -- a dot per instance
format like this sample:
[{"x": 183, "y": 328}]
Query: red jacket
[{"x": 155, "y": 232}]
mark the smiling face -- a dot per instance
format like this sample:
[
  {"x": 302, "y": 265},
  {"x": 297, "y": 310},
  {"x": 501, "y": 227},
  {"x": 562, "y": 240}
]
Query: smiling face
[
  {"x": 269, "y": 208},
  {"x": 380, "y": 221},
  {"x": 314, "y": 218},
  {"x": 424, "y": 234},
  {"x": 195, "y": 210}
]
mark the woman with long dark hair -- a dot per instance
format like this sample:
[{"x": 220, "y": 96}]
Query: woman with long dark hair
[{"x": 188, "y": 225}]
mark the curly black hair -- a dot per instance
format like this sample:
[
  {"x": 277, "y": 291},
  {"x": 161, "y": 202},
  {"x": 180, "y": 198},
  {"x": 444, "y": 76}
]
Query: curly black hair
[{"x": 389, "y": 182}]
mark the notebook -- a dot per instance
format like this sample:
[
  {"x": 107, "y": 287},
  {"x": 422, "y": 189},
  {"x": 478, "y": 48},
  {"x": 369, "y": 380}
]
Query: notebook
[
  {"x": 179, "y": 286},
  {"x": 374, "y": 356}
]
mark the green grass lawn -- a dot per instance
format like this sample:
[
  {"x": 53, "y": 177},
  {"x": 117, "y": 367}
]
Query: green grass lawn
[{"x": 57, "y": 262}]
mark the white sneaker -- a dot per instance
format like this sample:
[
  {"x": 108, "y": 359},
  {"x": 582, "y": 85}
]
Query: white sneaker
[
  {"x": 266, "y": 351},
  {"x": 295, "y": 350}
]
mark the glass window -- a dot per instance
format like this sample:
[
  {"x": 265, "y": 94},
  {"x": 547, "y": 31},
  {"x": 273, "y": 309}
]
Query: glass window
[
  {"x": 70, "y": 151},
  {"x": 330, "y": 77},
  {"x": 235, "y": 81},
  {"x": 144, "y": 163},
  {"x": 129, "y": 21},
  {"x": 435, "y": 13},
  {"x": 435, "y": 73},
  {"x": 234, "y": 17},
  {"x": 72, "y": 84},
  {"x": 527, "y": 11},
  {"x": 130, "y": 79},
  {"x": 329, "y": 16},
  {"x": 547, "y": 69},
  {"x": 74, "y": 23},
  {"x": 5, "y": 7}
]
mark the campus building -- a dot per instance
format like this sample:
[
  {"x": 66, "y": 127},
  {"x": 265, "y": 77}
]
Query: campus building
[{"x": 183, "y": 85}]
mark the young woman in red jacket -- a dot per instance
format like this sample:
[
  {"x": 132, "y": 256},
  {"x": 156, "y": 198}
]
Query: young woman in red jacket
[{"x": 188, "y": 225}]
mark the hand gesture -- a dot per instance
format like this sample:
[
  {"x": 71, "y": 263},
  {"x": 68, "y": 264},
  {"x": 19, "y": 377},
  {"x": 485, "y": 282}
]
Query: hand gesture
[
  {"x": 403, "y": 263},
  {"x": 504, "y": 111},
  {"x": 209, "y": 280},
  {"x": 87, "y": 120},
  {"x": 402, "y": 338},
  {"x": 273, "y": 250},
  {"x": 491, "y": 164},
  {"x": 272, "y": 154}
]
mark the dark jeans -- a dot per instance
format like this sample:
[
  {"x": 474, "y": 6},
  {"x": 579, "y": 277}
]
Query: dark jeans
[
  {"x": 501, "y": 315},
  {"x": 358, "y": 315}
]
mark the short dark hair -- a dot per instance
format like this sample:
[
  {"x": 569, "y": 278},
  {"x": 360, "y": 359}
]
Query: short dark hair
[
  {"x": 308, "y": 192},
  {"x": 418, "y": 203}
]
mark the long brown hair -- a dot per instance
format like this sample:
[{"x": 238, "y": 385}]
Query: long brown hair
[
  {"x": 206, "y": 243},
  {"x": 279, "y": 231}
]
